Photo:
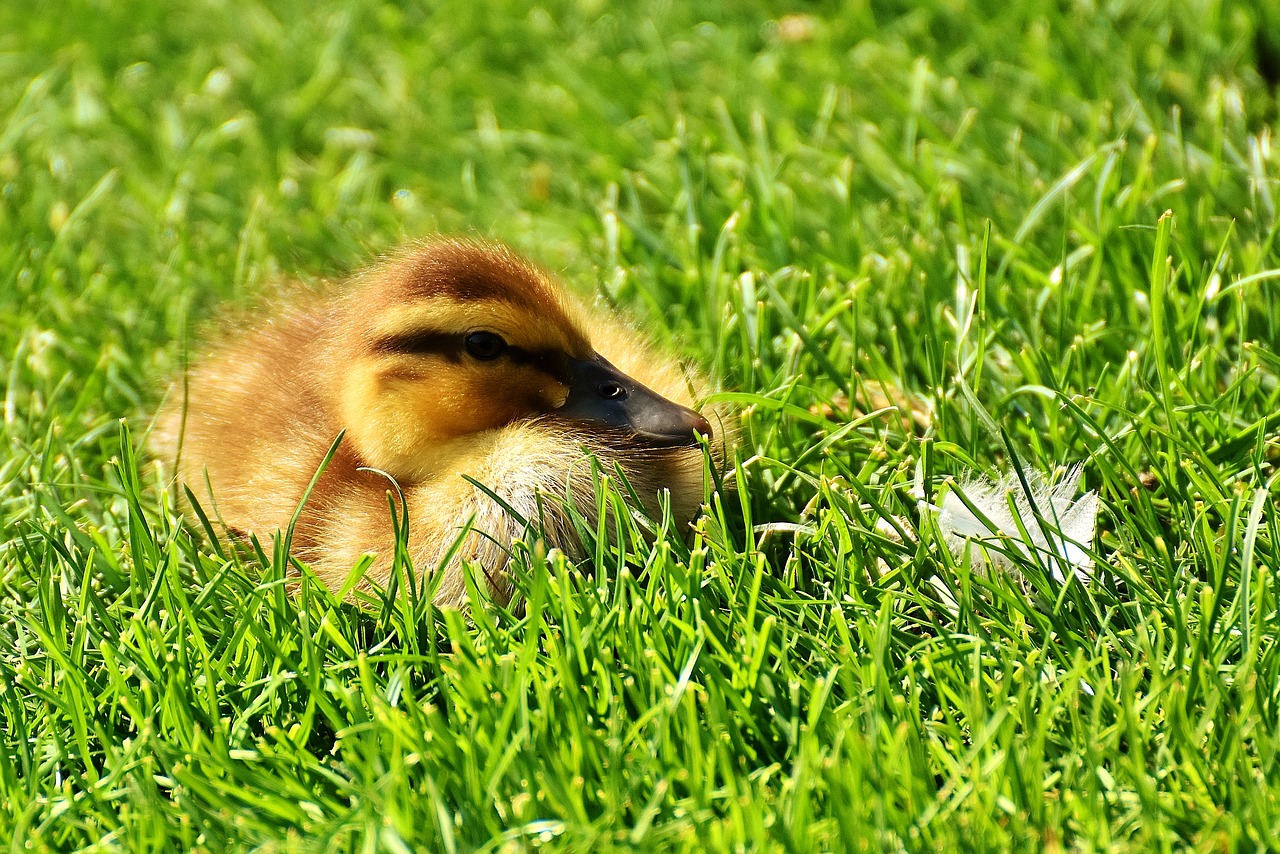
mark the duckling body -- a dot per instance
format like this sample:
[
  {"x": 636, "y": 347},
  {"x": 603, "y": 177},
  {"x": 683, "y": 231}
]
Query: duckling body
[{"x": 450, "y": 359}]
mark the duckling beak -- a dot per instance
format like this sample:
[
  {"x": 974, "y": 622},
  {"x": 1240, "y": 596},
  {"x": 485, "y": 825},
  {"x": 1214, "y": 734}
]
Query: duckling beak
[{"x": 603, "y": 396}]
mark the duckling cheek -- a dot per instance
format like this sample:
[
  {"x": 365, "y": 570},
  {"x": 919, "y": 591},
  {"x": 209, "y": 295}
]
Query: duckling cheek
[
  {"x": 527, "y": 391},
  {"x": 490, "y": 402},
  {"x": 397, "y": 423},
  {"x": 458, "y": 409},
  {"x": 553, "y": 396}
]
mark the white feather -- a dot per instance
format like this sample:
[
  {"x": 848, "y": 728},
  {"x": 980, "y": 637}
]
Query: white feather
[{"x": 1062, "y": 536}]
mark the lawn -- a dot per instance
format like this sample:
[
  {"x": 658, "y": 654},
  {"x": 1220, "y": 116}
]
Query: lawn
[{"x": 1052, "y": 226}]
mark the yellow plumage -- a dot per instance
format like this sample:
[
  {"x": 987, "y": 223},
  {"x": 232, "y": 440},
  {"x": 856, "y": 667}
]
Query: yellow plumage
[{"x": 450, "y": 358}]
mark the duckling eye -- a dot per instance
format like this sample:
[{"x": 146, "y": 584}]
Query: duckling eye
[
  {"x": 485, "y": 346},
  {"x": 611, "y": 390}
]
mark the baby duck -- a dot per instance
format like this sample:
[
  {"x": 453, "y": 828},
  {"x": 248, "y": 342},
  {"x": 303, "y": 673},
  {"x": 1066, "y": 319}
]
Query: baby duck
[{"x": 450, "y": 358}]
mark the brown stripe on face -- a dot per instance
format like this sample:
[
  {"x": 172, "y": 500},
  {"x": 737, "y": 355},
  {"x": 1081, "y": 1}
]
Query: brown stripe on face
[
  {"x": 553, "y": 363},
  {"x": 421, "y": 343},
  {"x": 451, "y": 346}
]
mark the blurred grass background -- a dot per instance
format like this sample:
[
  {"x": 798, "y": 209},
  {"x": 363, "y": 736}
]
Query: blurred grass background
[{"x": 800, "y": 199}]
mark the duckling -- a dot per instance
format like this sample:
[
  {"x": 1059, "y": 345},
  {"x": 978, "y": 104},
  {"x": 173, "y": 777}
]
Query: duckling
[{"x": 448, "y": 359}]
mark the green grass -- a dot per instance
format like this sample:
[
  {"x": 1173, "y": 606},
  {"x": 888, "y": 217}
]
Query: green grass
[{"x": 938, "y": 195}]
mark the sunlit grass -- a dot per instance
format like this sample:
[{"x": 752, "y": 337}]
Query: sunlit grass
[{"x": 1057, "y": 220}]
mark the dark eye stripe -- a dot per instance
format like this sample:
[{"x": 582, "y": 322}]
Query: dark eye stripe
[
  {"x": 422, "y": 343},
  {"x": 551, "y": 362},
  {"x": 453, "y": 346}
]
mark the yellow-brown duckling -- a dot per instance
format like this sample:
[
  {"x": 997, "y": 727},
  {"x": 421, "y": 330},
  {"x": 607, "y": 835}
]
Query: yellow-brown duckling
[{"x": 450, "y": 358}]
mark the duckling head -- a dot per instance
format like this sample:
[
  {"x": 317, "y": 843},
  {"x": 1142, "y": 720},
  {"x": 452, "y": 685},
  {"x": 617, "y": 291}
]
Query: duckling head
[{"x": 455, "y": 340}]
